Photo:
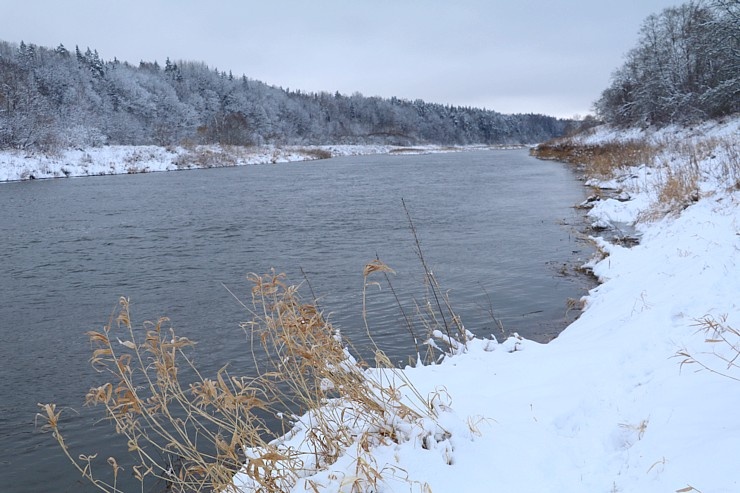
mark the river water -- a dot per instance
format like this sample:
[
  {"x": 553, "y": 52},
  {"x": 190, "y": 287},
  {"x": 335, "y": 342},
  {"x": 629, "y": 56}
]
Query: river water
[{"x": 496, "y": 227}]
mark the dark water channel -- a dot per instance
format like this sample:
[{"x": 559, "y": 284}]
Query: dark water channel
[{"x": 494, "y": 226}]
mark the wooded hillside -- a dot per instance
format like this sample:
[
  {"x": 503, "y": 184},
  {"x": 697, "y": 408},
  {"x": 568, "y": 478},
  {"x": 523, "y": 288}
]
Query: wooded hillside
[
  {"x": 685, "y": 68},
  {"x": 52, "y": 98}
]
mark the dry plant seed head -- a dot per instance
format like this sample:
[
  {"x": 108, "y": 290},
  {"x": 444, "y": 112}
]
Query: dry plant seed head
[
  {"x": 376, "y": 266},
  {"x": 114, "y": 465},
  {"x": 50, "y": 417},
  {"x": 100, "y": 395}
]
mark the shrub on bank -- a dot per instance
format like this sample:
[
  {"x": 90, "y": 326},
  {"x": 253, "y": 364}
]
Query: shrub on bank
[{"x": 208, "y": 428}]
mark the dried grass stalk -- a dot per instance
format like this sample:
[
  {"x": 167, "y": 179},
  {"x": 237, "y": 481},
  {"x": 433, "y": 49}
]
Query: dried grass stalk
[{"x": 210, "y": 427}]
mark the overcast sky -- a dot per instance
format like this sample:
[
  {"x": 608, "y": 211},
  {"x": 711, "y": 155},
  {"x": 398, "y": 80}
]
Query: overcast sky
[{"x": 520, "y": 56}]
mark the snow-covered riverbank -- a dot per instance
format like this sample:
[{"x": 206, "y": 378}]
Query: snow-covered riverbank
[
  {"x": 115, "y": 160},
  {"x": 617, "y": 402}
]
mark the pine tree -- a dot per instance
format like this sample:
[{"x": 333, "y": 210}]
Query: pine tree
[{"x": 62, "y": 51}]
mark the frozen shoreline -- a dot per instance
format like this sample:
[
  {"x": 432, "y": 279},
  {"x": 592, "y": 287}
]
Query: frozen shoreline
[
  {"x": 115, "y": 160},
  {"x": 614, "y": 403}
]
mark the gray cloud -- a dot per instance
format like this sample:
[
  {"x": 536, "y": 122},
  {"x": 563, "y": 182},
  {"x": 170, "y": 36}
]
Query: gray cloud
[{"x": 514, "y": 57}]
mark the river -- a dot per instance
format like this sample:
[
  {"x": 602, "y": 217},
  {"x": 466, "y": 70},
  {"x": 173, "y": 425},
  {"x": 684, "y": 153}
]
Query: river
[{"x": 496, "y": 227}]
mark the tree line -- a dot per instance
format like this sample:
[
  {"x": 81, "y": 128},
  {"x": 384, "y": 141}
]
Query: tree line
[
  {"x": 56, "y": 98},
  {"x": 685, "y": 68}
]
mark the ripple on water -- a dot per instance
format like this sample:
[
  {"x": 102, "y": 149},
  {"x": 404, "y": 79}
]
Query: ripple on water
[{"x": 489, "y": 223}]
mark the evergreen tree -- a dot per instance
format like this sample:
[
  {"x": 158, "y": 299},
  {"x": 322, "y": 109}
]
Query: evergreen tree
[{"x": 62, "y": 51}]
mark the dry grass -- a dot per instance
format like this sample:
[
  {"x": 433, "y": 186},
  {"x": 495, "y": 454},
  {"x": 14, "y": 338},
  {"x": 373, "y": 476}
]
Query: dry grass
[
  {"x": 599, "y": 161},
  {"x": 315, "y": 152},
  {"x": 675, "y": 190},
  {"x": 677, "y": 167},
  {"x": 677, "y": 186},
  {"x": 724, "y": 359},
  {"x": 202, "y": 427},
  {"x": 209, "y": 157},
  {"x": 729, "y": 166},
  {"x": 214, "y": 426}
]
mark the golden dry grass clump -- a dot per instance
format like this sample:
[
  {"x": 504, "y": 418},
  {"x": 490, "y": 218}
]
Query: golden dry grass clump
[
  {"x": 214, "y": 426},
  {"x": 676, "y": 164},
  {"x": 201, "y": 427},
  {"x": 599, "y": 160}
]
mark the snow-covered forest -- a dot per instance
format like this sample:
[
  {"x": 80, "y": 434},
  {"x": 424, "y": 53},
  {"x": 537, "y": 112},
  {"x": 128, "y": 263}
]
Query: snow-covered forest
[
  {"x": 684, "y": 68},
  {"x": 61, "y": 98}
]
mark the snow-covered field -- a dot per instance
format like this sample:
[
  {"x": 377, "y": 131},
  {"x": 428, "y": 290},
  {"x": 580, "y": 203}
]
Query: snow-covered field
[{"x": 614, "y": 404}]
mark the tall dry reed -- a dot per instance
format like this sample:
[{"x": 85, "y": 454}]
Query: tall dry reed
[{"x": 215, "y": 425}]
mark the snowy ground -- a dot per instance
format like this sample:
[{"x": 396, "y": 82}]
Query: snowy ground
[
  {"x": 608, "y": 406},
  {"x": 112, "y": 160}
]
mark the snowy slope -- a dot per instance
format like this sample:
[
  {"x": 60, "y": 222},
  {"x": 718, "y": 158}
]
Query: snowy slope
[{"x": 608, "y": 406}]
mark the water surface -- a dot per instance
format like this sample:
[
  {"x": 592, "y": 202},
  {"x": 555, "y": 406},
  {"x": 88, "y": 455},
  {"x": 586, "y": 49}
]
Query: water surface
[{"x": 493, "y": 226}]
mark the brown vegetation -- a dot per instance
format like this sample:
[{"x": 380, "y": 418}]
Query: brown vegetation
[
  {"x": 315, "y": 152},
  {"x": 676, "y": 166},
  {"x": 599, "y": 161},
  {"x": 210, "y": 427}
]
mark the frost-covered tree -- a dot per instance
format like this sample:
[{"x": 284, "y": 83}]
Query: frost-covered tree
[
  {"x": 49, "y": 98},
  {"x": 684, "y": 68}
]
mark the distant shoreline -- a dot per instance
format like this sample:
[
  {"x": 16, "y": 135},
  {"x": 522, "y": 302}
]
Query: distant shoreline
[{"x": 19, "y": 165}]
